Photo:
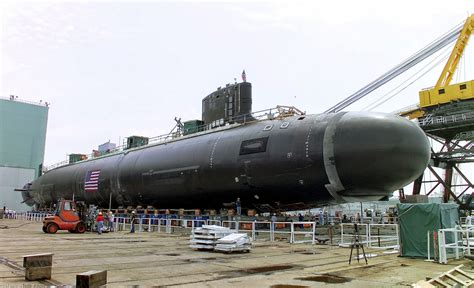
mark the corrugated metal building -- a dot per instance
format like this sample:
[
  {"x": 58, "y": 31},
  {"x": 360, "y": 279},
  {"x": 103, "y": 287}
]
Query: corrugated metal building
[{"x": 22, "y": 143}]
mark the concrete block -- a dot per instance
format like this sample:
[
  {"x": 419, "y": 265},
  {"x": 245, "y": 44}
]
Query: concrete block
[
  {"x": 91, "y": 279},
  {"x": 38, "y": 260},
  {"x": 38, "y": 266},
  {"x": 38, "y": 273},
  {"x": 416, "y": 199}
]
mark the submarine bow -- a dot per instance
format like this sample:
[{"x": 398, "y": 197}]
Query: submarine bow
[{"x": 366, "y": 153}]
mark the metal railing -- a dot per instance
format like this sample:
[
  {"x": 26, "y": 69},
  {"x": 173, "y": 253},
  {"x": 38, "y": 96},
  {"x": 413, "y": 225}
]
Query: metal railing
[
  {"x": 348, "y": 233},
  {"x": 279, "y": 112},
  {"x": 449, "y": 119},
  {"x": 383, "y": 240},
  {"x": 454, "y": 242},
  {"x": 303, "y": 230},
  {"x": 27, "y": 216},
  {"x": 16, "y": 99},
  {"x": 370, "y": 235},
  {"x": 292, "y": 232}
]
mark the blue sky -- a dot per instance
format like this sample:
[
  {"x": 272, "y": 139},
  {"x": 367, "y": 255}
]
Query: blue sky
[{"x": 115, "y": 69}]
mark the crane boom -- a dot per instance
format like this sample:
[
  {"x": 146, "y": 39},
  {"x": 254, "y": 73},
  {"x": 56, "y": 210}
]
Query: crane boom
[
  {"x": 461, "y": 43},
  {"x": 399, "y": 69},
  {"x": 443, "y": 93}
]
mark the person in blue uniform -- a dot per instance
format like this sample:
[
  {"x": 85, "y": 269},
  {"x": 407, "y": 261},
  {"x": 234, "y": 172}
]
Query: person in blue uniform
[{"x": 238, "y": 206}]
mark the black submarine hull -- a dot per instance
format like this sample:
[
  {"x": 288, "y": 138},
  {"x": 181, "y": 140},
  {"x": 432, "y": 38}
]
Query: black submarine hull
[{"x": 296, "y": 162}]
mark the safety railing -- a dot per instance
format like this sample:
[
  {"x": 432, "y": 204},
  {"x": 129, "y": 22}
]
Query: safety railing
[
  {"x": 167, "y": 225},
  {"x": 385, "y": 240},
  {"x": 323, "y": 220},
  {"x": 384, "y": 236},
  {"x": 381, "y": 219},
  {"x": 16, "y": 99},
  {"x": 384, "y": 220},
  {"x": 372, "y": 235},
  {"x": 279, "y": 112},
  {"x": 27, "y": 216},
  {"x": 303, "y": 232},
  {"x": 455, "y": 242},
  {"x": 280, "y": 231},
  {"x": 430, "y": 119},
  {"x": 11, "y": 215},
  {"x": 293, "y": 232},
  {"x": 348, "y": 234},
  {"x": 214, "y": 222},
  {"x": 263, "y": 230}
]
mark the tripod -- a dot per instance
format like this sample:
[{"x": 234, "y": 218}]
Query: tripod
[{"x": 356, "y": 244}]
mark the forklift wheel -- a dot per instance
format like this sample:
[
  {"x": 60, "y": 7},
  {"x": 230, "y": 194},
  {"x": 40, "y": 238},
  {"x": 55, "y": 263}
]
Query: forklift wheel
[
  {"x": 44, "y": 229},
  {"x": 52, "y": 228},
  {"x": 80, "y": 228}
]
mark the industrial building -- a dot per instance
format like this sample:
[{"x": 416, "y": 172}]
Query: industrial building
[{"x": 22, "y": 143}]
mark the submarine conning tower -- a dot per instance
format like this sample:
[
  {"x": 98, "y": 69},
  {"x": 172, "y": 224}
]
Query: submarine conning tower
[{"x": 229, "y": 104}]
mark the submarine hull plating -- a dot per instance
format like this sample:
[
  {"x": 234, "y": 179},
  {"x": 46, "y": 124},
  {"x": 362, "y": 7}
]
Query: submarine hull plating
[{"x": 294, "y": 162}]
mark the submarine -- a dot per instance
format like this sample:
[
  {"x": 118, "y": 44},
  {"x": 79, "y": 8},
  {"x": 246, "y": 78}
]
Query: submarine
[{"x": 280, "y": 159}]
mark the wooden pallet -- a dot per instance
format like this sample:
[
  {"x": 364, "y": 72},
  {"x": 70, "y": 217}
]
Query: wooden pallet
[{"x": 455, "y": 277}]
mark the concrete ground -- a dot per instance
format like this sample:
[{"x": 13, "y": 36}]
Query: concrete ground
[{"x": 159, "y": 259}]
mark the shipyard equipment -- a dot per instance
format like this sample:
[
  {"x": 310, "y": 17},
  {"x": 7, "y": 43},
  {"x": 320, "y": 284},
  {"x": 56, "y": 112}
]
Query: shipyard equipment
[
  {"x": 65, "y": 217},
  {"x": 445, "y": 98},
  {"x": 445, "y": 113}
]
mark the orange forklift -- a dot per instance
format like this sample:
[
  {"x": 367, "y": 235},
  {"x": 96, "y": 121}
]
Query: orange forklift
[{"x": 65, "y": 218}]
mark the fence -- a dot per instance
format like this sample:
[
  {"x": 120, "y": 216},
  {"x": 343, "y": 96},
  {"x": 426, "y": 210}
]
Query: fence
[
  {"x": 454, "y": 242},
  {"x": 388, "y": 239},
  {"x": 27, "y": 216},
  {"x": 167, "y": 225},
  {"x": 293, "y": 232},
  {"x": 348, "y": 233},
  {"x": 369, "y": 234}
]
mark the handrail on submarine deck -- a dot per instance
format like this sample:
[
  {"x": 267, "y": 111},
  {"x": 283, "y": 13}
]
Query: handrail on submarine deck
[{"x": 278, "y": 112}]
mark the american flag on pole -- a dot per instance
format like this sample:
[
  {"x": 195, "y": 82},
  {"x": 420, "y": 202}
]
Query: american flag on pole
[
  {"x": 91, "y": 181},
  {"x": 244, "y": 77}
]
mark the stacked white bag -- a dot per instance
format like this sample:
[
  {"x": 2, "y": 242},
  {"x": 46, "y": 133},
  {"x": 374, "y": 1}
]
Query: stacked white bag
[
  {"x": 205, "y": 237},
  {"x": 234, "y": 242}
]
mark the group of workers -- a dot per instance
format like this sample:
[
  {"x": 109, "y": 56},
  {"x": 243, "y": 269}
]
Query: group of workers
[
  {"x": 7, "y": 213},
  {"x": 110, "y": 217}
]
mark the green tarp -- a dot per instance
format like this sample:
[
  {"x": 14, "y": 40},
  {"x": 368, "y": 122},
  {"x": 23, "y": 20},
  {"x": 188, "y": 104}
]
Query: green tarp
[{"x": 415, "y": 220}]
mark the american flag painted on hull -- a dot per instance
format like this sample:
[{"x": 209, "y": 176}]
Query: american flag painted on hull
[{"x": 91, "y": 181}]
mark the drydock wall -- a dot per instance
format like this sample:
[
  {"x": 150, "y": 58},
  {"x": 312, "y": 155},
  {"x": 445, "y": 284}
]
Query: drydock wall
[{"x": 22, "y": 143}]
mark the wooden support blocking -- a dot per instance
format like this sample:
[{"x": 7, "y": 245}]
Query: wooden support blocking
[
  {"x": 91, "y": 279},
  {"x": 38, "y": 266}
]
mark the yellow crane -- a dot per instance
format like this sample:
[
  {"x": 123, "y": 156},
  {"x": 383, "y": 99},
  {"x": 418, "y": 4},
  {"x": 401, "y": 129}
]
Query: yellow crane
[{"x": 443, "y": 93}]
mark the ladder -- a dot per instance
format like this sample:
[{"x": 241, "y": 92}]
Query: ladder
[{"x": 455, "y": 277}]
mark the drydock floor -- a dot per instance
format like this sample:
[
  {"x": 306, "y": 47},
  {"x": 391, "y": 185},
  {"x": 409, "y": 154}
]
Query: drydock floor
[{"x": 159, "y": 259}]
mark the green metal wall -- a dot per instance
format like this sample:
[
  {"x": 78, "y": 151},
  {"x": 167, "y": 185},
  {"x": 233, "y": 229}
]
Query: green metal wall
[{"x": 22, "y": 134}]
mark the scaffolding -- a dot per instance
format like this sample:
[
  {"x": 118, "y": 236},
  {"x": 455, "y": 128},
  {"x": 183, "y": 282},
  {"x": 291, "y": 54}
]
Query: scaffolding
[{"x": 455, "y": 149}]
